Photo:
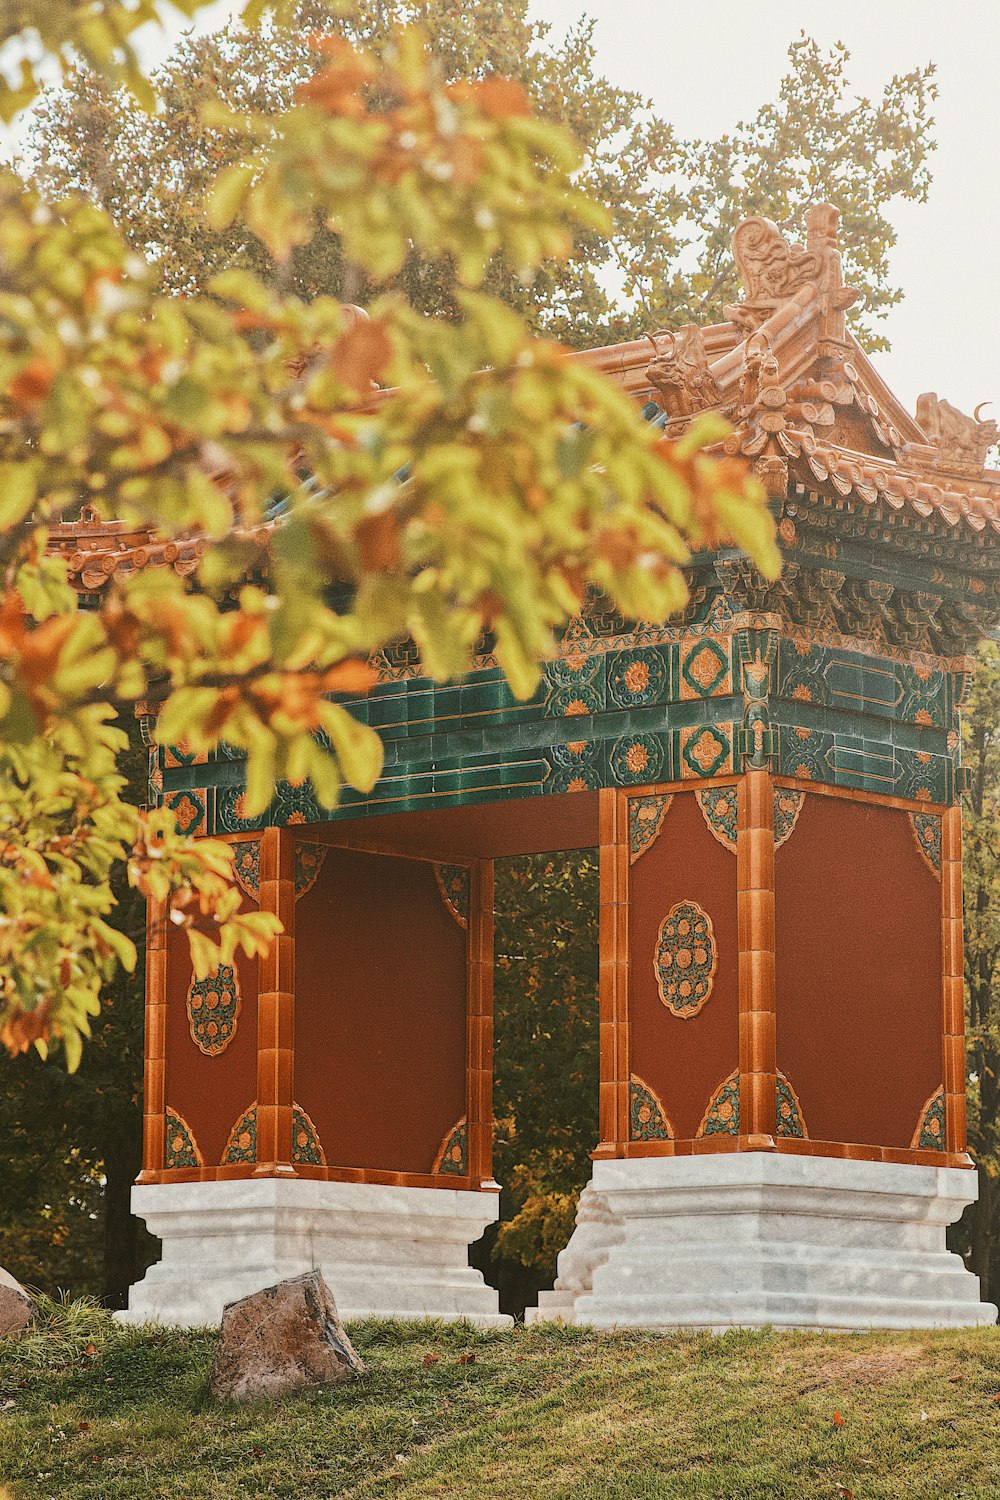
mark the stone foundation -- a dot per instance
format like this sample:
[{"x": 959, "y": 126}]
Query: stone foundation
[
  {"x": 390, "y": 1252},
  {"x": 755, "y": 1239}
]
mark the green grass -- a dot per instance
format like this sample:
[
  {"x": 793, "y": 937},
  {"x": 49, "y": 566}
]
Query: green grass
[{"x": 88, "y": 1408}]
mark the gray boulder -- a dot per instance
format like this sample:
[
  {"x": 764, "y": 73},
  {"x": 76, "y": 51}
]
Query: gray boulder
[
  {"x": 280, "y": 1339},
  {"x": 17, "y": 1310}
]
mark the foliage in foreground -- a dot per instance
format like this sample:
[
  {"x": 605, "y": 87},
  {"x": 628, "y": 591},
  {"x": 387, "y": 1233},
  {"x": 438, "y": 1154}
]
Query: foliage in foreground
[
  {"x": 486, "y": 490},
  {"x": 89, "y": 1409}
]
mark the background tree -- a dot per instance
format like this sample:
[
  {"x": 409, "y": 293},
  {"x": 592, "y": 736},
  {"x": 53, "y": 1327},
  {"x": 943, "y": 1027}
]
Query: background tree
[
  {"x": 980, "y": 1228},
  {"x": 546, "y": 1064},
  {"x": 73, "y": 1141},
  {"x": 664, "y": 258}
]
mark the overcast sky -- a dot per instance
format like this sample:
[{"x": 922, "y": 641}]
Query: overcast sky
[{"x": 708, "y": 65}]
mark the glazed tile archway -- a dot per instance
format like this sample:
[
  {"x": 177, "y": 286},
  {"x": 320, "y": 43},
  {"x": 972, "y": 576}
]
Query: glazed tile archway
[{"x": 686, "y": 959}]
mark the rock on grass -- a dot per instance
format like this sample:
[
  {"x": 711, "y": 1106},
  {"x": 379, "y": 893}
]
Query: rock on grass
[
  {"x": 280, "y": 1339},
  {"x": 17, "y": 1311}
]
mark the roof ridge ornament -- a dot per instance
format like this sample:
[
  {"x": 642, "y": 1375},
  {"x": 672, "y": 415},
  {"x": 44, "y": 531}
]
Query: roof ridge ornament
[
  {"x": 774, "y": 269},
  {"x": 679, "y": 371},
  {"x": 961, "y": 442}
]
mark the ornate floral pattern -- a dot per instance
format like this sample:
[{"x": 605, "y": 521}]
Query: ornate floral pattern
[
  {"x": 637, "y": 677},
  {"x": 635, "y": 758},
  {"x": 454, "y": 882},
  {"x": 306, "y": 1146},
  {"x": 929, "y": 1134},
  {"x": 719, "y": 807},
  {"x": 213, "y": 1007},
  {"x": 706, "y": 750},
  {"x": 242, "y": 1143},
  {"x": 188, "y": 809},
  {"x": 246, "y": 866},
  {"x": 787, "y": 806},
  {"x": 927, "y": 835},
  {"x": 723, "y": 1114},
  {"x": 788, "y": 1110},
  {"x": 308, "y": 863},
  {"x": 574, "y": 767},
  {"x": 647, "y": 1119},
  {"x": 645, "y": 819},
  {"x": 705, "y": 670},
  {"x": 180, "y": 1149},
  {"x": 576, "y": 685},
  {"x": 686, "y": 959},
  {"x": 453, "y": 1152}
]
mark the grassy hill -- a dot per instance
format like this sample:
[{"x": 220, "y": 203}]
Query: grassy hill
[{"x": 91, "y": 1409}]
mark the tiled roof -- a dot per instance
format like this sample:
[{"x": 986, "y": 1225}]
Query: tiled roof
[{"x": 806, "y": 405}]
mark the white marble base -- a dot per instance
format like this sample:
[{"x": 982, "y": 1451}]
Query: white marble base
[
  {"x": 756, "y": 1238},
  {"x": 391, "y": 1252}
]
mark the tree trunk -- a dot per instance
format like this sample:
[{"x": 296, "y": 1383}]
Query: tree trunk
[{"x": 122, "y": 1263}]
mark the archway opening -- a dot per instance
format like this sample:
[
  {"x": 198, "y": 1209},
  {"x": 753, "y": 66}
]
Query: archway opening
[{"x": 546, "y": 1064}]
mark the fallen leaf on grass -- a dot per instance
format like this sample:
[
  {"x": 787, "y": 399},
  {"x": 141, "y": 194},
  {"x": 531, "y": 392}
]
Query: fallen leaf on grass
[
  {"x": 90, "y": 1350},
  {"x": 84, "y": 1426},
  {"x": 466, "y": 1359},
  {"x": 844, "y": 1493},
  {"x": 431, "y": 1359},
  {"x": 838, "y": 1420}
]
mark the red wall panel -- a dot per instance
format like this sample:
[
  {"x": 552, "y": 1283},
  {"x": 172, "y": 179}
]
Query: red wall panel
[
  {"x": 209, "y": 1092},
  {"x": 683, "y": 1059},
  {"x": 858, "y": 920},
  {"x": 380, "y": 1012}
]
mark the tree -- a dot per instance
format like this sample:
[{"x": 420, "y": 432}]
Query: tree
[
  {"x": 981, "y": 853},
  {"x": 546, "y": 1063},
  {"x": 74, "y": 1140},
  {"x": 665, "y": 256},
  {"x": 439, "y": 478}
]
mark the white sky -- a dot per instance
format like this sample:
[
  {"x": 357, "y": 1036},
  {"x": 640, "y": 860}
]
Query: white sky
[{"x": 708, "y": 65}]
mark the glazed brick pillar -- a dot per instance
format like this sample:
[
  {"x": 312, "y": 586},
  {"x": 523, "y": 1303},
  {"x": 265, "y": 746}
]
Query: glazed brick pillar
[
  {"x": 953, "y": 980},
  {"x": 479, "y": 1022},
  {"x": 276, "y": 1009},
  {"x": 154, "y": 1070},
  {"x": 755, "y": 913},
  {"x": 614, "y": 868}
]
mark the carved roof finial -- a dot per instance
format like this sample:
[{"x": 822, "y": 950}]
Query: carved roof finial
[
  {"x": 962, "y": 442},
  {"x": 679, "y": 371},
  {"x": 773, "y": 269}
]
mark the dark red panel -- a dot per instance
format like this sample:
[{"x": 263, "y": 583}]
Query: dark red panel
[
  {"x": 683, "y": 1060},
  {"x": 380, "y": 1012},
  {"x": 858, "y": 916},
  {"x": 209, "y": 1092}
]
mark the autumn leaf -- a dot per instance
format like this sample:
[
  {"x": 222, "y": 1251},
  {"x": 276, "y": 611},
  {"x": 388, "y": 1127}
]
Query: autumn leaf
[{"x": 361, "y": 354}]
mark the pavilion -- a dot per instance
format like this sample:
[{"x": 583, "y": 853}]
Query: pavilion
[{"x": 773, "y": 783}]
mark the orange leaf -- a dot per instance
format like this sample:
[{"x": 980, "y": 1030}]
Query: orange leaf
[
  {"x": 838, "y": 1420},
  {"x": 31, "y": 384},
  {"x": 378, "y": 541},
  {"x": 350, "y": 677},
  {"x": 497, "y": 98},
  {"x": 431, "y": 1359},
  {"x": 361, "y": 354}
]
